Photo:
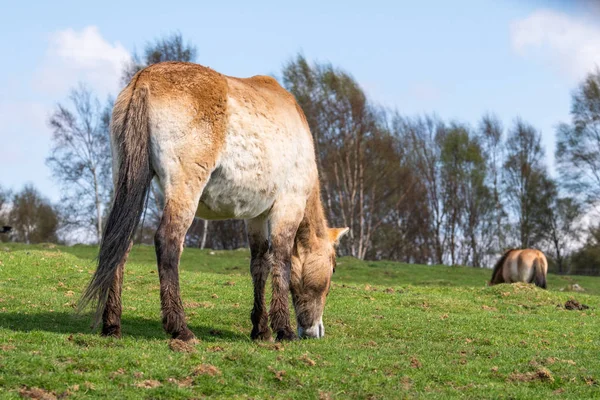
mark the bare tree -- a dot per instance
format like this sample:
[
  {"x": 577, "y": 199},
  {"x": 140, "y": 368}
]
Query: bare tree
[
  {"x": 167, "y": 48},
  {"x": 80, "y": 159},
  {"x": 563, "y": 230},
  {"x": 578, "y": 143},
  {"x": 490, "y": 137},
  {"x": 422, "y": 138},
  {"x": 526, "y": 183}
]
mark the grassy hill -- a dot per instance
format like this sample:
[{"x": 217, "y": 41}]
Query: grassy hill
[{"x": 393, "y": 331}]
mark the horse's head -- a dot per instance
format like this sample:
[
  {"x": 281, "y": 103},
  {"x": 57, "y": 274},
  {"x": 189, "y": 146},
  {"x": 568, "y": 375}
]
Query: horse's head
[{"x": 313, "y": 264}]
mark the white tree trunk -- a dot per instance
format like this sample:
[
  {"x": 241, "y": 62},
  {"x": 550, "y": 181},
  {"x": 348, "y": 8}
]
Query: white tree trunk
[{"x": 204, "y": 233}]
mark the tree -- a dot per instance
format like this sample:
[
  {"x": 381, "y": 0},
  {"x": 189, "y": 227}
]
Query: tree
[
  {"x": 526, "y": 183},
  {"x": 80, "y": 159},
  {"x": 422, "y": 137},
  {"x": 490, "y": 138},
  {"x": 4, "y": 201},
  {"x": 586, "y": 261},
  {"x": 167, "y": 48},
  {"x": 467, "y": 200},
  {"x": 562, "y": 229},
  {"x": 578, "y": 143},
  {"x": 351, "y": 136},
  {"x": 32, "y": 217},
  {"x": 5, "y": 196}
]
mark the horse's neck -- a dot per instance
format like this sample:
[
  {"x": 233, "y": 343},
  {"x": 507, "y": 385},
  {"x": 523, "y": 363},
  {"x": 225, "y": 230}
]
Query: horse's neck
[{"x": 314, "y": 223}]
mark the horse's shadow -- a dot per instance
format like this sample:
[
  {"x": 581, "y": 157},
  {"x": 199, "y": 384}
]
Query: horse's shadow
[{"x": 71, "y": 323}]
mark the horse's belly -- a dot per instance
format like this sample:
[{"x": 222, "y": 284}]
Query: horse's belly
[
  {"x": 232, "y": 194},
  {"x": 265, "y": 156}
]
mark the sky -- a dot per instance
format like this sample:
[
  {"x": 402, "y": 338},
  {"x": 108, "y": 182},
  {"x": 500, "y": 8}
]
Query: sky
[{"x": 458, "y": 59}]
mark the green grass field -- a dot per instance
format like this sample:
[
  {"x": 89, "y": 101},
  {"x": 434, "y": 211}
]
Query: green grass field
[{"x": 393, "y": 331}]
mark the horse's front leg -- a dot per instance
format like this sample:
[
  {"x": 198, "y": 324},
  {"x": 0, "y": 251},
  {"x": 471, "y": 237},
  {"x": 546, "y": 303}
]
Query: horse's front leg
[
  {"x": 284, "y": 224},
  {"x": 260, "y": 266}
]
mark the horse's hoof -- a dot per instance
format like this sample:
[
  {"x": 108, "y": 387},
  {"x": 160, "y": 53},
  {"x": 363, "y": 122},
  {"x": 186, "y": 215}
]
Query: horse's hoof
[
  {"x": 262, "y": 336},
  {"x": 111, "y": 331},
  {"x": 185, "y": 335},
  {"x": 286, "y": 335}
]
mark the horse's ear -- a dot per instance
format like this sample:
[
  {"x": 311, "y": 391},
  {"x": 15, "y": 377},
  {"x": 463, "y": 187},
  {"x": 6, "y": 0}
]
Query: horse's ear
[{"x": 335, "y": 234}]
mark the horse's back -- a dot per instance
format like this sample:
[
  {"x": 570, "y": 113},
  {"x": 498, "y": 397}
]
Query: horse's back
[
  {"x": 248, "y": 134},
  {"x": 191, "y": 89}
]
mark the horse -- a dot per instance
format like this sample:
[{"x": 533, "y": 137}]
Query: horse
[
  {"x": 526, "y": 265},
  {"x": 219, "y": 147}
]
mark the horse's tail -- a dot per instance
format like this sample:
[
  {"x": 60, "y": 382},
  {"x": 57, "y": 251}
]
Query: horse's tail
[
  {"x": 130, "y": 144},
  {"x": 498, "y": 268},
  {"x": 539, "y": 275}
]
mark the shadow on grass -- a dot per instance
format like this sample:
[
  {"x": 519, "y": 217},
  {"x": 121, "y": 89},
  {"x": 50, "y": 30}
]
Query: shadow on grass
[{"x": 71, "y": 323}]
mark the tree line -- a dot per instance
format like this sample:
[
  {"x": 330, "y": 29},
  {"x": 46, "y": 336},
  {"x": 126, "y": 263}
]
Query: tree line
[{"x": 413, "y": 189}]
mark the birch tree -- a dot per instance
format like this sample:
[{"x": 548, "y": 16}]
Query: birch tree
[{"x": 80, "y": 159}]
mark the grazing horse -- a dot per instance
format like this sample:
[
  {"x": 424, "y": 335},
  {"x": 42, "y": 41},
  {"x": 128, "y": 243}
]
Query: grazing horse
[
  {"x": 527, "y": 265},
  {"x": 219, "y": 147}
]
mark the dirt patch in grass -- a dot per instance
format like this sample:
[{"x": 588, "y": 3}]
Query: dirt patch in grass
[
  {"x": 180, "y": 346},
  {"x": 278, "y": 374},
  {"x": 573, "y": 304},
  {"x": 306, "y": 360},
  {"x": 116, "y": 373},
  {"x": 185, "y": 382},
  {"x": 542, "y": 374},
  {"x": 36, "y": 393},
  {"x": 206, "y": 369},
  {"x": 272, "y": 346},
  {"x": 415, "y": 363},
  {"x": 148, "y": 384},
  {"x": 195, "y": 304}
]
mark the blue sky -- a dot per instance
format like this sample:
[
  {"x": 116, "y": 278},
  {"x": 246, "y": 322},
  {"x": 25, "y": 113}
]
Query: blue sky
[{"x": 457, "y": 59}]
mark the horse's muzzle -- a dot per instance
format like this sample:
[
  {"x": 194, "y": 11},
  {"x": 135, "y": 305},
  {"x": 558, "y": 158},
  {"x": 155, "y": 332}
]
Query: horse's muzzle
[{"x": 316, "y": 331}]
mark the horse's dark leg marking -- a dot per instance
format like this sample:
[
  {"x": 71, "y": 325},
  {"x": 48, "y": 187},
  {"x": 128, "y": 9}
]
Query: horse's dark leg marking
[
  {"x": 111, "y": 319},
  {"x": 169, "y": 245},
  {"x": 282, "y": 266},
  {"x": 259, "y": 268}
]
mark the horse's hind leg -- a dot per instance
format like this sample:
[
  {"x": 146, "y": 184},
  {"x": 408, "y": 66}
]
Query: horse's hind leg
[
  {"x": 181, "y": 202},
  {"x": 111, "y": 318},
  {"x": 260, "y": 266}
]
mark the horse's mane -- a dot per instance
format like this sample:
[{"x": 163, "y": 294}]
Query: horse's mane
[{"x": 499, "y": 264}]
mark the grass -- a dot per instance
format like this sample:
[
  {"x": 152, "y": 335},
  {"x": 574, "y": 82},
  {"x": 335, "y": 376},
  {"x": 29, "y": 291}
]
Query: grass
[{"x": 393, "y": 331}]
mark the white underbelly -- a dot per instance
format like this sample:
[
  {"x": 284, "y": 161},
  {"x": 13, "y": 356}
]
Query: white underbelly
[{"x": 230, "y": 195}]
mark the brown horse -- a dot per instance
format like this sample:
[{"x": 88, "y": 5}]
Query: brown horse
[
  {"x": 220, "y": 148},
  {"x": 527, "y": 265}
]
